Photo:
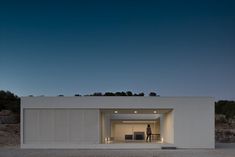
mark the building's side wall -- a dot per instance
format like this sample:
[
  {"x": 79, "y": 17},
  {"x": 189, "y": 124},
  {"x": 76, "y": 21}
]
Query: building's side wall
[
  {"x": 194, "y": 125},
  {"x": 60, "y": 126}
]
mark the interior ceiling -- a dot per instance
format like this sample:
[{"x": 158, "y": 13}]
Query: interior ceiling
[
  {"x": 135, "y": 116},
  {"x": 135, "y": 122},
  {"x": 136, "y": 111}
]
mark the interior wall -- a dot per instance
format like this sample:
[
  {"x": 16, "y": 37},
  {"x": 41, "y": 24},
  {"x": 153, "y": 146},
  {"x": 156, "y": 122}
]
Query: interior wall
[
  {"x": 119, "y": 129},
  {"x": 157, "y": 126},
  {"x": 167, "y": 127},
  {"x": 61, "y": 126}
]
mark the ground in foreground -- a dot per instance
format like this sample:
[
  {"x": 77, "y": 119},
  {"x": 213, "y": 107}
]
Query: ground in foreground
[{"x": 222, "y": 150}]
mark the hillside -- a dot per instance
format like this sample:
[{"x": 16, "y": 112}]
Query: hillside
[{"x": 224, "y": 129}]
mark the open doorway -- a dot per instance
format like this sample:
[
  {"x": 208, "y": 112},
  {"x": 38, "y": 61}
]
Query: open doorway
[
  {"x": 129, "y": 125},
  {"x": 134, "y": 130}
]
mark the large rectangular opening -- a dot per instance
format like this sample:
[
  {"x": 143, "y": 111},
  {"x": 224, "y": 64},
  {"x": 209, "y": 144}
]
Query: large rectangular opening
[
  {"x": 134, "y": 130},
  {"x": 129, "y": 126}
]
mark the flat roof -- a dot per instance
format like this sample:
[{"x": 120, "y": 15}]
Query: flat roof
[{"x": 106, "y": 102}]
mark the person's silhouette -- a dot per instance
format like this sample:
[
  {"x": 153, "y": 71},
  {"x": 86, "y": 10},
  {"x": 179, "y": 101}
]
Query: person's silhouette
[{"x": 149, "y": 133}]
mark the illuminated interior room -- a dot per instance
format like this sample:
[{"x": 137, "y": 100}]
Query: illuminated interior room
[{"x": 129, "y": 125}]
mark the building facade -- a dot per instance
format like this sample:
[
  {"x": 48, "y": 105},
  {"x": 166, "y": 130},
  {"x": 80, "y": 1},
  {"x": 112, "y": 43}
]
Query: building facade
[{"x": 117, "y": 122}]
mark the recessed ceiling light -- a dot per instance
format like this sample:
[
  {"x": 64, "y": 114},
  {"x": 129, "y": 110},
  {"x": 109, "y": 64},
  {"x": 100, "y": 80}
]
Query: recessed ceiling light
[
  {"x": 155, "y": 111},
  {"x": 115, "y": 111},
  {"x": 135, "y": 111}
]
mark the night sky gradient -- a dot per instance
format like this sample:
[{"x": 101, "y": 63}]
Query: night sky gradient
[{"x": 176, "y": 48}]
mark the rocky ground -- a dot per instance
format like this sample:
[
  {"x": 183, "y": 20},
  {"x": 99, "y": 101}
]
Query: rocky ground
[
  {"x": 9, "y": 135},
  {"x": 9, "y": 129},
  {"x": 224, "y": 129}
]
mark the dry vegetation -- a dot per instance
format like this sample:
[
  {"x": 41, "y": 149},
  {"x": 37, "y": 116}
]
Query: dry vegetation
[
  {"x": 9, "y": 135},
  {"x": 224, "y": 129}
]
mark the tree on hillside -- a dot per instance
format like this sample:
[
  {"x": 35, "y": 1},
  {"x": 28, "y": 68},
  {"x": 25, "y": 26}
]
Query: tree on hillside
[
  {"x": 120, "y": 94},
  {"x": 226, "y": 108},
  {"x": 109, "y": 94},
  {"x": 9, "y": 101},
  {"x": 129, "y": 93},
  {"x": 152, "y": 94},
  {"x": 97, "y": 94},
  {"x": 140, "y": 94}
]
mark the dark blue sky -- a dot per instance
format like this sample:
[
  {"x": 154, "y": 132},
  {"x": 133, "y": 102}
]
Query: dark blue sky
[{"x": 172, "y": 47}]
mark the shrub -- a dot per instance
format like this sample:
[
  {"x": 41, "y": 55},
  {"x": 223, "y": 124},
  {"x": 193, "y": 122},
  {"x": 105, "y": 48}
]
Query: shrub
[{"x": 9, "y": 101}]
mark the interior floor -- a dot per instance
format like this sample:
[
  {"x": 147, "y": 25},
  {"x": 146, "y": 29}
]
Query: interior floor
[{"x": 135, "y": 141}]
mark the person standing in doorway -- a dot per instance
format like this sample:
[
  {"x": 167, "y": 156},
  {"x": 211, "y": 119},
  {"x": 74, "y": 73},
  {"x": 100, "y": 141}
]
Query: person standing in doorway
[{"x": 149, "y": 133}]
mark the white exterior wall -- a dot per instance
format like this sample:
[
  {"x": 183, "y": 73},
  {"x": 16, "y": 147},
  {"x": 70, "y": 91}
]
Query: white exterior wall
[
  {"x": 106, "y": 126},
  {"x": 194, "y": 125},
  {"x": 60, "y": 127},
  {"x": 193, "y": 117},
  {"x": 167, "y": 132}
]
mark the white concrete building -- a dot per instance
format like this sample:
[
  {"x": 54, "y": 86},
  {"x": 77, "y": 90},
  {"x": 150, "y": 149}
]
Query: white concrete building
[{"x": 117, "y": 122}]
